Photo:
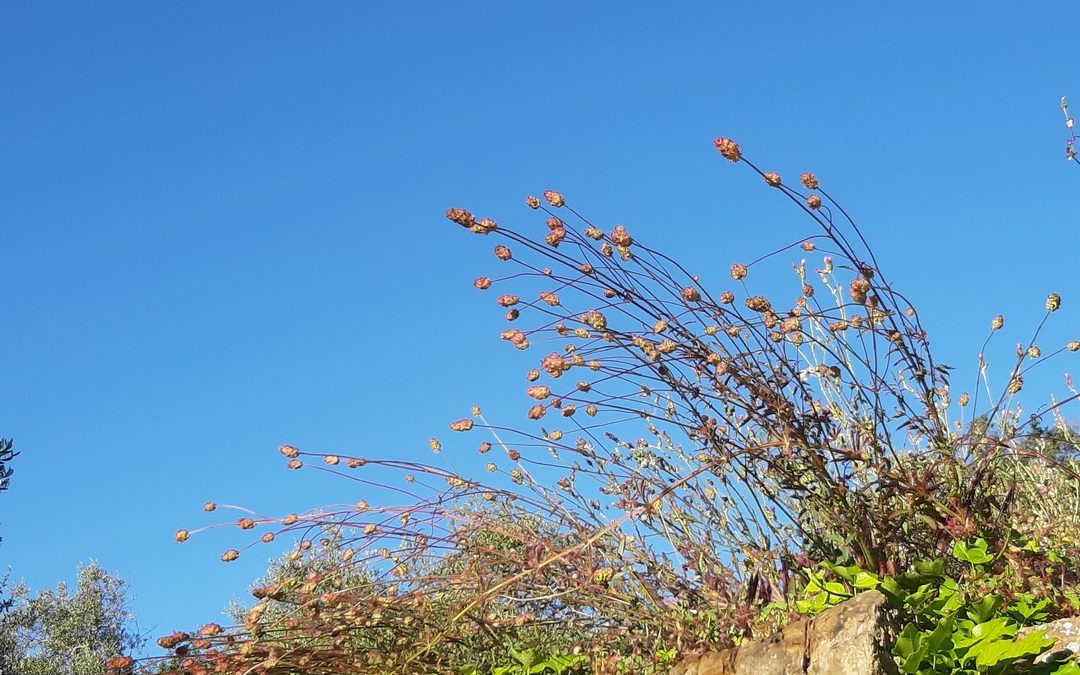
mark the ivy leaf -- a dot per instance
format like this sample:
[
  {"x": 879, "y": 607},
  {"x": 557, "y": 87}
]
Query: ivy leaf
[
  {"x": 941, "y": 633},
  {"x": 865, "y": 581}
]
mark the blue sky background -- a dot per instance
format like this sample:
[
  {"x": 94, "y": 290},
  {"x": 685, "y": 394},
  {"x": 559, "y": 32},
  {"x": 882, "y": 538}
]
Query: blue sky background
[{"x": 221, "y": 223}]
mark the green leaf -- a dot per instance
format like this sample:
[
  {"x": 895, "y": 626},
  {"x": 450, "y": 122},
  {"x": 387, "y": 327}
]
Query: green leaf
[
  {"x": 907, "y": 642},
  {"x": 865, "y": 581},
  {"x": 959, "y": 550},
  {"x": 891, "y": 589},
  {"x": 983, "y": 609},
  {"x": 933, "y": 568},
  {"x": 941, "y": 633},
  {"x": 526, "y": 658}
]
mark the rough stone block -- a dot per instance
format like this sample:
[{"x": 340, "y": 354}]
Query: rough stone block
[{"x": 854, "y": 637}]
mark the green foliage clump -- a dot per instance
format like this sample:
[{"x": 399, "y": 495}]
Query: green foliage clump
[{"x": 963, "y": 615}]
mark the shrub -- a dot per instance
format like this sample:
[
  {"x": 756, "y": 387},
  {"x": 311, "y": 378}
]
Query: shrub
[{"x": 691, "y": 451}]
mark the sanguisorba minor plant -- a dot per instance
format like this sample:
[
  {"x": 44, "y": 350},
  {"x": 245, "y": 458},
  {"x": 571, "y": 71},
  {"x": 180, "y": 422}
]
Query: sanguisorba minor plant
[{"x": 688, "y": 451}]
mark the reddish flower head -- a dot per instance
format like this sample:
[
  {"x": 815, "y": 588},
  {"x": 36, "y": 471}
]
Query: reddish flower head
[
  {"x": 554, "y": 198},
  {"x": 727, "y": 148}
]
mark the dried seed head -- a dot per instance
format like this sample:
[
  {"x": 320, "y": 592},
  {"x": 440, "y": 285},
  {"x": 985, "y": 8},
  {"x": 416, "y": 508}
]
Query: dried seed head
[
  {"x": 289, "y": 451},
  {"x": 555, "y": 237},
  {"x": 536, "y": 412},
  {"x": 1053, "y": 302},
  {"x": 461, "y": 217},
  {"x": 997, "y": 322},
  {"x": 594, "y": 320},
  {"x": 738, "y": 272},
  {"x": 550, "y": 298},
  {"x": 593, "y": 232},
  {"x": 809, "y": 181},
  {"x": 245, "y": 523},
  {"x": 512, "y": 315},
  {"x": 532, "y": 202},
  {"x": 727, "y": 148},
  {"x": 483, "y": 283},
  {"x": 758, "y": 304},
  {"x": 508, "y": 300},
  {"x": 590, "y": 410},
  {"x": 484, "y": 447},
  {"x": 808, "y": 246},
  {"x": 691, "y": 294},
  {"x": 964, "y": 399},
  {"x": 435, "y": 445},
  {"x": 182, "y": 536},
  {"x": 858, "y": 289},
  {"x": 1073, "y": 346},
  {"x": 1015, "y": 384},
  {"x": 268, "y": 537},
  {"x": 332, "y": 460},
  {"x": 539, "y": 392},
  {"x": 294, "y": 464},
  {"x": 727, "y": 297},
  {"x": 230, "y": 555},
  {"x": 772, "y": 178},
  {"x": 620, "y": 237},
  {"x": 533, "y": 375},
  {"x": 503, "y": 253},
  {"x": 209, "y": 506},
  {"x": 814, "y": 202},
  {"x": 484, "y": 226},
  {"x": 1034, "y": 352},
  {"x": 461, "y": 425},
  {"x": 554, "y": 198}
]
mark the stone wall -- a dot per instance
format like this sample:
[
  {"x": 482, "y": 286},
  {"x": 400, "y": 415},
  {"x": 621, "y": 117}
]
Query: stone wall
[{"x": 854, "y": 638}]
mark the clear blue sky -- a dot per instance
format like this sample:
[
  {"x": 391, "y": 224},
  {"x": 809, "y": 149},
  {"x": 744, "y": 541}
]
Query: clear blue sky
[{"x": 221, "y": 223}]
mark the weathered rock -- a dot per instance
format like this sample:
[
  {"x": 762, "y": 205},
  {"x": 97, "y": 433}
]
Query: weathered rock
[
  {"x": 854, "y": 638},
  {"x": 1066, "y": 633}
]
